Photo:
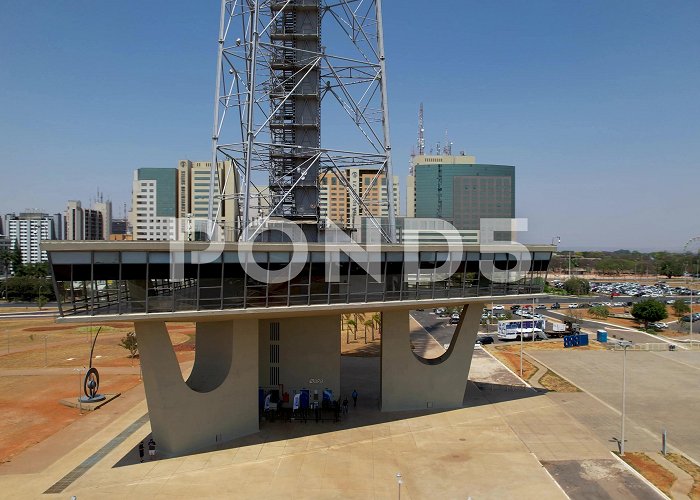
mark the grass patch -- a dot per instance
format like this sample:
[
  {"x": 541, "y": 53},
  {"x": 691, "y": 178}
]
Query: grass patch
[
  {"x": 553, "y": 382},
  {"x": 690, "y": 468},
  {"x": 512, "y": 361},
  {"x": 655, "y": 473},
  {"x": 96, "y": 328}
]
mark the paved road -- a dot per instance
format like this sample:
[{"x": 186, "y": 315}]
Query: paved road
[
  {"x": 442, "y": 330},
  {"x": 591, "y": 326}
]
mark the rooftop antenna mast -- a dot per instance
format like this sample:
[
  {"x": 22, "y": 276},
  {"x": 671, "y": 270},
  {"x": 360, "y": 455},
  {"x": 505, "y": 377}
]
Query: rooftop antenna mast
[
  {"x": 421, "y": 131},
  {"x": 447, "y": 148}
]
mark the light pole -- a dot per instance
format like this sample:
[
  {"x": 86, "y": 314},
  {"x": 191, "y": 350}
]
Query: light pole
[
  {"x": 80, "y": 387},
  {"x": 685, "y": 249},
  {"x": 625, "y": 344},
  {"x": 399, "y": 481}
]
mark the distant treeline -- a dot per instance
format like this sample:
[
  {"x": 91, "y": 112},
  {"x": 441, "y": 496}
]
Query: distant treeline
[{"x": 628, "y": 262}]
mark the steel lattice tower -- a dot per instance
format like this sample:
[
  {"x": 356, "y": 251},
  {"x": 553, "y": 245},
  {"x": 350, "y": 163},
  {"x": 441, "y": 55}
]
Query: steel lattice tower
[{"x": 274, "y": 76}]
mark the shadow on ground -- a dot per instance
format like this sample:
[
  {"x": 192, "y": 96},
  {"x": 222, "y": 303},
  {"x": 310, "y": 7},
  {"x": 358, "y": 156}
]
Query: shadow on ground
[{"x": 359, "y": 373}]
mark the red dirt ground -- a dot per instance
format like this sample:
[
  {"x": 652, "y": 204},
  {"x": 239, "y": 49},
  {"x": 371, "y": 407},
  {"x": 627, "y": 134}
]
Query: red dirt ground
[{"x": 31, "y": 411}]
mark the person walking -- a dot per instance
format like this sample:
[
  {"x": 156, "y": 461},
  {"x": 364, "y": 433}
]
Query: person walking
[
  {"x": 141, "y": 451},
  {"x": 151, "y": 449},
  {"x": 354, "y": 398}
]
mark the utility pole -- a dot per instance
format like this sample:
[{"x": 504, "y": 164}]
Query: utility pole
[{"x": 625, "y": 344}]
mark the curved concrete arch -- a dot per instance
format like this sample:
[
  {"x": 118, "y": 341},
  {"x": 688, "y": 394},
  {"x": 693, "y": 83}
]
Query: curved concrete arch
[
  {"x": 217, "y": 403},
  {"x": 450, "y": 349},
  {"x": 212, "y": 357},
  {"x": 409, "y": 382}
]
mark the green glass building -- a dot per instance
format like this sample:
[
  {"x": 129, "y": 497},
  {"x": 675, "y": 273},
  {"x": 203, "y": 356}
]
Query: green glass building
[{"x": 462, "y": 192}]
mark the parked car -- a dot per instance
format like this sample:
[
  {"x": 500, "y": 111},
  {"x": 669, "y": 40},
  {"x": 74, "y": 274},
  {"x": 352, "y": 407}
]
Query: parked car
[
  {"x": 514, "y": 307},
  {"x": 485, "y": 339}
]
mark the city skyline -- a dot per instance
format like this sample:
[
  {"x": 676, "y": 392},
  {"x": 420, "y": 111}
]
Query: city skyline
[{"x": 572, "y": 95}]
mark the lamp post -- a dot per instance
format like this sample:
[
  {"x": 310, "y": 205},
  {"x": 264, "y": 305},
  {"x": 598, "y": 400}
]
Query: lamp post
[
  {"x": 80, "y": 387},
  {"x": 399, "y": 481},
  {"x": 685, "y": 249},
  {"x": 625, "y": 344}
]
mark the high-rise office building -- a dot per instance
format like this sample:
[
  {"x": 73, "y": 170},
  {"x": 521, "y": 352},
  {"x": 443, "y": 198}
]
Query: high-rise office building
[
  {"x": 88, "y": 223},
  {"x": 75, "y": 220},
  {"x": 104, "y": 216},
  {"x": 338, "y": 205},
  {"x": 29, "y": 229},
  {"x": 120, "y": 227},
  {"x": 193, "y": 178},
  {"x": 460, "y": 191},
  {"x": 154, "y": 204}
]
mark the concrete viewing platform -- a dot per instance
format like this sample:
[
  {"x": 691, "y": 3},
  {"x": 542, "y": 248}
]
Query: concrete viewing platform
[{"x": 268, "y": 319}]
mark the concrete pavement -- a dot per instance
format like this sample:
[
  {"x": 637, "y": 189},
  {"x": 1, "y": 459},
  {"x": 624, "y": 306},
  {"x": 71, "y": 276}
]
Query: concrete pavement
[
  {"x": 661, "y": 394},
  {"x": 490, "y": 448}
]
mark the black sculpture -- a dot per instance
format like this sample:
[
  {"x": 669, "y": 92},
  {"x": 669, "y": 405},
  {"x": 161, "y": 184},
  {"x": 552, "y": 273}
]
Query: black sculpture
[{"x": 91, "y": 383}]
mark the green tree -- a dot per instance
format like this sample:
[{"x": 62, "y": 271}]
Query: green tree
[
  {"x": 369, "y": 322},
  {"x": 16, "y": 257},
  {"x": 600, "y": 312},
  {"x": 41, "y": 301},
  {"x": 577, "y": 286},
  {"x": 130, "y": 344},
  {"x": 680, "y": 308},
  {"x": 28, "y": 288},
  {"x": 5, "y": 261},
  {"x": 34, "y": 270},
  {"x": 377, "y": 318},
  {"x": 670, "y": 266},
  {"x": 353, "y": 325},
  {"x": 649, "y": 310}
]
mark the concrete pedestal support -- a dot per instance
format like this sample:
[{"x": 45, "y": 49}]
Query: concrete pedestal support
[
  {"x": 305, "y": 350},
  {"x": 218, "y": 402},
  {"x": 409, "y": 382}
]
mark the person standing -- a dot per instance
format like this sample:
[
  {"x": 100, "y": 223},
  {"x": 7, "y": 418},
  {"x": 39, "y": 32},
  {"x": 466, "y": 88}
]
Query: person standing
[
  {"x": 354, "y": 398},
  {"x": 151, "y": 449},
  {"x": 141, "y": 451},
  {"x": 345, "y": 406}
]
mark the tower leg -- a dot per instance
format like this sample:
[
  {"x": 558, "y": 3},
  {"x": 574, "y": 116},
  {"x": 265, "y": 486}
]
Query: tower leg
[
  {"x": 218, "y": 402},
  {"x": 409, "y": 382}
]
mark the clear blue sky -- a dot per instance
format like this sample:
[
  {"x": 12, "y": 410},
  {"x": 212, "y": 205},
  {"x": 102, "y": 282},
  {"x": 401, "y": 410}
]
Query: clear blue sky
[{"x": 596, "y": 103}]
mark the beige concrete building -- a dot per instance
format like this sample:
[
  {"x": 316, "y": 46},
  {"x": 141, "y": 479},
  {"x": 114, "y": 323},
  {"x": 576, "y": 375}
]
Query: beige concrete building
[
  {"x": 193, "y": 178},
  {"x": 337, "y": 204},
  {"x": 88, "y": 223}
]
